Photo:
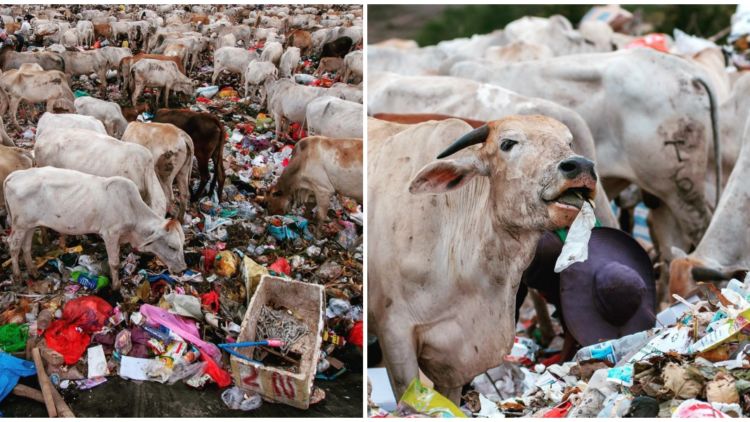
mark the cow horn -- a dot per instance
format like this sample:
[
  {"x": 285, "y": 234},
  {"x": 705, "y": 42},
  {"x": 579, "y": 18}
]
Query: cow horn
[
  {"x": 708, "y": 274},
  {"x": 474, "y": 137}
]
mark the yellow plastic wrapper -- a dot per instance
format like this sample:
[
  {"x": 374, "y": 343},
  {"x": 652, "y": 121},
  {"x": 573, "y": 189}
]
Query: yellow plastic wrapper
[
  {"x": 226, "y": 264},
  {"x": 252, "y": 272},
  {"x": 429, "y": 402}
]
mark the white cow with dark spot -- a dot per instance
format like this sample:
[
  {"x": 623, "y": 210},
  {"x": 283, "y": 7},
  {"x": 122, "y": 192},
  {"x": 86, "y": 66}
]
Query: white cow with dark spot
[{"x": 334, "y": 117}]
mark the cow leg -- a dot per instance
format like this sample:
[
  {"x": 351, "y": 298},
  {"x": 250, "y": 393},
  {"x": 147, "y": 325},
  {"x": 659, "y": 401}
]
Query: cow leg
[
  {"x": 452, "y": 393},
  {"x": 103, "y": 77},
  {"x": 136, "y": 93},
  {"x": 15, "y": 243},
  {"x": 323, "y": 199},
  {"x": 112, "y": 243},
  {"x": 14, "y": 102},
  {"x": 183, "y": 185},
  {"x": 216, "y": 74},
  {"x": 203, "y": 170},
  {"x": 27, "y": 240},
  {"x": 166, "y": 96},
  {"x": 399, "y": 354}
]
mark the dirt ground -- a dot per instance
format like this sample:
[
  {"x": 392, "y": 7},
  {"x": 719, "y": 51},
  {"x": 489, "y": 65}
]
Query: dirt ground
[{"x": 121, "y": 398}]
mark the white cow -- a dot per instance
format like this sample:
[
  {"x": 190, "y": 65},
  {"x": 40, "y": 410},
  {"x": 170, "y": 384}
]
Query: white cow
[
  {"x": 75, "y": 203},
  {"x": 289, "y": 62},
  {"x": 459, "y": 232},
  {"x": 287, "y": 101},
  {"x": 85, "y": 63},
  {"x": 272, "y": 52},
  {"x": 233, "y": 59},
  {"x": 52, "y": 122},
  {"x": 256, "y": 75},
  {"x": 353, "y": 67},
  {"x": 159, "y": 74},
  {"x": 98, "y": 154},
  {"x": 85, "y": 32},
  {"x": 107, "y": 112},
  {"x": 334, "y": 117}
]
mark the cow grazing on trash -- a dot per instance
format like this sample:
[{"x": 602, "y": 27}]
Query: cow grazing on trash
[
  {"x": 208, "y": 135},
  {"x": 75, "y": 203},
  {"x": 10, "y": 59},
  {"x": 256, "y": 76},
  {"x": 323, "y": 166},
  {"x": 101, "y": 155},
  {"x": 107, "y": 112},
  {"x": 289, "y": 62},
  {"x": 233, "y": 59},
  {"x": 32, "y": 84},
  {"x": 172, "y": 150},
  {"x": 149, "y": 73},
  {"x": 443, "y": 275}
]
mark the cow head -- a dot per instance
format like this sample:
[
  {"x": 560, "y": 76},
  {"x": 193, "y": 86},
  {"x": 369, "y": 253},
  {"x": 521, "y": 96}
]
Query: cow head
[
  {"x": 166, "y": 243},
  {"x": 277, "y": 201},
  {"x": 535, "y": 179}
]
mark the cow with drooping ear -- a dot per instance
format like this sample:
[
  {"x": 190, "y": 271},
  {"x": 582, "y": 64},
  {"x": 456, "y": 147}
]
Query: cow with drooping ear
[
  {"x": 75, "y": 203},
  {"x": 450, "y": 237}
]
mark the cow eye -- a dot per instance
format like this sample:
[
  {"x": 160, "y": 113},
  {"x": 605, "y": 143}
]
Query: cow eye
[{"x": 507, "y": 144}]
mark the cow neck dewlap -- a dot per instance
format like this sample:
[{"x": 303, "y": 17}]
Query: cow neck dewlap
[{"x": 473, "y": 237}]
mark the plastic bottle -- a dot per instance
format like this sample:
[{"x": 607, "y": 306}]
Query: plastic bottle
[
  {"x": 614, "y": 350},
  {"x": 90, "y": 281}
]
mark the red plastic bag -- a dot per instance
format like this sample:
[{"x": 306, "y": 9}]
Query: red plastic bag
[
  {"x": 656, "y": 41},
  {"x": 210, "y": 300},
  {"x": 281, "y": 266},
  {"x": 220, "y": 376},
  {"x": 89, "y": 313},
  {"x": 67, "y": 340},
  {"x": 297, "y": 131},
  {"x": 559, "y": 411},
  {"x": 209, "y": 256},
  {"x": 355, "y": 335}
]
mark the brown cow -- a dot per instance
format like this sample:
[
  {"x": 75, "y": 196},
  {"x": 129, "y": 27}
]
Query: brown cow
[
  {"x": 208, "y": 135},
  {"x": 131, "y": 113},
  {"x": 102, "y": 30},
  {"x": 329, "y": 64},
  {"x": 323, "y": 166},
  {"x": 301, "y": 39},
  {"x": 199, "y": 18}
]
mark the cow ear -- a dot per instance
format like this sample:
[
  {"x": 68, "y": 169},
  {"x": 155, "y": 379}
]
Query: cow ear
[{"x": 444, "y": 175}]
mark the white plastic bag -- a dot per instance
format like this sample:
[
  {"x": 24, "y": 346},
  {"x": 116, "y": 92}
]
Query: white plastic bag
[{"x": 576, "y": 247}]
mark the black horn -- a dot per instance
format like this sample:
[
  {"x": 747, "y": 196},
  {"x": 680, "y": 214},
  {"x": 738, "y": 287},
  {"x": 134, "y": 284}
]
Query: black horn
[
  {"x": 708, "y": 274},
  {"x": 476, "y": 136}
]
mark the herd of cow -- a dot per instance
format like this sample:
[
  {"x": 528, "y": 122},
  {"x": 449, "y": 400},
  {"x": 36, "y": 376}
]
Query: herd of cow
[
  {"x": 672, "y": 124},
  {"x": 95, "y": 169}
]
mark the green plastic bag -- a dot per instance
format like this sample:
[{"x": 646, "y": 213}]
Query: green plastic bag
[
  {"x": 13, "y": 337},
  {"x": 429, "y": 402}
]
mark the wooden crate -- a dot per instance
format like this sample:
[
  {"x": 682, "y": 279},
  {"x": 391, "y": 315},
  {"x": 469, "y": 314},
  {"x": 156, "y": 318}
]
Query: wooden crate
[{"x": 275, "y": 384}]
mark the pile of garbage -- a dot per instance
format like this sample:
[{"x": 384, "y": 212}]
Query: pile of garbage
[
  {"x": 694, "y": 363},
  {"x": 168, "y": 328}
]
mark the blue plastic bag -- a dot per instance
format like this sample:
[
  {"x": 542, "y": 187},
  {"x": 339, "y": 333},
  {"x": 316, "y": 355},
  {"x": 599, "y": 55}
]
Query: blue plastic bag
[{"x": 11, "y": 369}]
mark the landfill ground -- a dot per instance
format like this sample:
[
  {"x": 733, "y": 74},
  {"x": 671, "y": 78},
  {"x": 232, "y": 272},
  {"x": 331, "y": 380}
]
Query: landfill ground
[
  {"x": 122, "y": 398},
  {"x": 231, "y": 247}
]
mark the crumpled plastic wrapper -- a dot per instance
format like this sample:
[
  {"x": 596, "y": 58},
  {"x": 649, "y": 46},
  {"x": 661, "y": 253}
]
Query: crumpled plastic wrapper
[
  {"x": 576, "y": 247},
  {"x": 722, "y": 389}
]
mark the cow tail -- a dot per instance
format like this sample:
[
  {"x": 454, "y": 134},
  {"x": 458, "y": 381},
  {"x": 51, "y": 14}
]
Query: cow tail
[
  {"x": 715, "y": 133},
  {"x": 155, "y": 192}
]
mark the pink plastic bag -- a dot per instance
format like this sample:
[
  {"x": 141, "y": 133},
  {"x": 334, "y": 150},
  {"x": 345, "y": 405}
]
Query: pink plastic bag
[
  {"x": 697, "y": 409},
  {"x": 184, "y": 327}
]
